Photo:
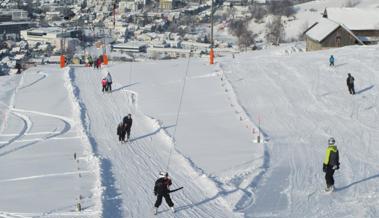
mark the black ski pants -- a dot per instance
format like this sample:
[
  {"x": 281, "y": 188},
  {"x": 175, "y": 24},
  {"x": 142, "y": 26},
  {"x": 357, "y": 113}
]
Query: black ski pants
[
  {"x": 329, "y": 176},
  {"x": 128, "y": 133},
  {"x": 351, "y": 89},
  {"x": 166, "y": 196},
  {"x": 121, "y": 137}
]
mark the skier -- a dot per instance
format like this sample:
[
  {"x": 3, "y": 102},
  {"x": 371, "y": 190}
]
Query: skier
[
  {"x": 109, "y": 82},
  {"x": 104, "y": 84},
  {"x": 161, "y": 190},
  {"x": 350, "y": 84},
  {"x": 128, "y": 121},
  {"x": 331, "y": 60},
  {"x": 121, "y": 131},
  {"x": 331, "y": 163}
]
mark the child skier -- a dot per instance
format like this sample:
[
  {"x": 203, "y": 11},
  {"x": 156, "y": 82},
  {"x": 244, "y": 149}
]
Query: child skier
[
  {"x": 104, "y": 85},
  {"x": 121, "y": 132},
  {"x": 331, "y": 60},
  {"x": 331, "y": 163},
  {"x": 161, "y": 190}
]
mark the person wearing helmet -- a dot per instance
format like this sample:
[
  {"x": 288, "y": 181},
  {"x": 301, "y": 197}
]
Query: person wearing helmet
[
  {"x": 162, "y": 190},
  {"x": 330, "y": 164}
]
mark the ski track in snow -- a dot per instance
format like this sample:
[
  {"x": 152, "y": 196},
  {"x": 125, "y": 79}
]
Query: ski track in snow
[
  {"x": 293, "y": 183},
  {"x": 17, "y": 143},
  {"x": 142, "y": 158}
]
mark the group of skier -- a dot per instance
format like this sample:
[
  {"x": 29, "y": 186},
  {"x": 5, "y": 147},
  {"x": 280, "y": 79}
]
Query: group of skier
[
  {"x": 350, "y": 79},
  {"x": 106, "y": 83},
  {"x": 124, "y": 128},
  {"x": 331, "y": 161}
]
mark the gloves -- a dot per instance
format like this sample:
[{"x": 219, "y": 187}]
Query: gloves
[
  {"x": 324, "y": 168},
  {"x": 336, "y": 167}
]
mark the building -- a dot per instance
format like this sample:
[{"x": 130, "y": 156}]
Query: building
[
  {"x": 134, "y": 46},
  {"x": 326, "y": 34},
  {"x": 15, "y": 14},
  {"x": 15, "y": 27},
  {"x": 364, "y": 23},
  {"x": 166, "y": 4},
  {"x": 53, "y": 35}
]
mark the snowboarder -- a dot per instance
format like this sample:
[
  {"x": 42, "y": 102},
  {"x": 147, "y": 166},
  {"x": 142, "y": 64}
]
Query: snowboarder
[
  {"x": 331, "y": 163},
  {"x": 331, "y": 60},
  {"x": 161, "y": 190},
  {"x": 104, "y": 84},
  {"x": 350, "y": 84},
  {"x": 128, "y": 121},
  {"x": 121, "y": 132},
  {"x": 109, "y": 82}
]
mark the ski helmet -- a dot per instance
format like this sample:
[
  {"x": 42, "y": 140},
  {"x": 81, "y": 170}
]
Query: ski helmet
[
  {"x": 331, "y": 141},
  {"x": 162, "y": 174}
]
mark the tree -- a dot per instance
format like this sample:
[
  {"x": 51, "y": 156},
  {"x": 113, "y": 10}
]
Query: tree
[
  {"x": 246, "y": 37},
  {"x": 275, "y": 30}
]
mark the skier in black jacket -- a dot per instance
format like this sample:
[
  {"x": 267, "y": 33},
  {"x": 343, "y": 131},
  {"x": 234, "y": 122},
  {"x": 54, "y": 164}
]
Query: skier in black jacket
[
  {"x": 128, "y": 121},
  {"x": 350, "y": 83},
  {"x": 161, "y": 190}
]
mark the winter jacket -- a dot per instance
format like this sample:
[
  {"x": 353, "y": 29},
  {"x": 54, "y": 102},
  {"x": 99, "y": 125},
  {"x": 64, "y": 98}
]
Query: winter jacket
[
  {"x": 109, "y": 78},
  {"x": 331, "y": 59},
  {"x": 350, "y": 80},
  {"x": 332, "y": 156},
  {"x": 121, "y": 130},
  {"x": 104, "y": 82},
  {"x": 162, "y": 186},
  {"x": 128, "y": 121}
]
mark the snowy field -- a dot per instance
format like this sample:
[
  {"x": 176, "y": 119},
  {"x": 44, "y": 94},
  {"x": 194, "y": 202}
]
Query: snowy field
[
  {"x": 49, "y": 114},
  {"x": 38, "y": 140}
]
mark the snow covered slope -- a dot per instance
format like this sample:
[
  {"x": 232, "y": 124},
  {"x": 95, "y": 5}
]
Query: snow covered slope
[
  {"x": 296, "y": 98},
  {"x": 302, "y": 102},
  {"x": 39, "y": 138}
]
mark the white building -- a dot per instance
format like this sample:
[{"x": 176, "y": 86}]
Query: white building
[{"x": 17, "y": 14}]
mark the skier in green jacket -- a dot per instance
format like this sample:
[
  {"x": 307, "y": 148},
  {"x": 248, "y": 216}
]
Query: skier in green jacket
[{"x": 331, "y": 163}]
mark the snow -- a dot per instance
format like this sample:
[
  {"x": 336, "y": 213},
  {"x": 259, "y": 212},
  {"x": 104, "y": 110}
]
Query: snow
[
  {"x": 322, "y": 29},
  {"x": 355, "y": 18},
  {"x": 38, "y": 139}
]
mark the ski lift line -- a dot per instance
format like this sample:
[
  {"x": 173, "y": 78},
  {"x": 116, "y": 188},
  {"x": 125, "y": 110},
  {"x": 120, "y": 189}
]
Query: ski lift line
[{"x": 179, "y": 110}]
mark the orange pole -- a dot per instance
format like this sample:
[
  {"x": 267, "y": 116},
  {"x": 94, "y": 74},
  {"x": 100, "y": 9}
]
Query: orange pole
[
  {"x": 211, "y": 56},
  {"x": 62, "y": 61},
  {"x": 105, "y": 59}
]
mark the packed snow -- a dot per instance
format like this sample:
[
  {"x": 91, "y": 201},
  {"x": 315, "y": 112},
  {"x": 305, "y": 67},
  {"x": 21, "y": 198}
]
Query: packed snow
[{"x": 200, "y": 123}]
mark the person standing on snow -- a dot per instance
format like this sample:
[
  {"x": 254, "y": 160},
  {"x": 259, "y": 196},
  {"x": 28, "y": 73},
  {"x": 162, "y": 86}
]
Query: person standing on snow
[
  {"x": 121, "y": 132},
  {"x": 104, "y": 84},
  {"x": 109, "y": 82},
  {"x": 331, "y": 60},
  {"x": 128, "y": 121},
  {"x": 330, "y": 164},
  {"x": 161, "y": 190},
  {"x": 350, "y": 84}
]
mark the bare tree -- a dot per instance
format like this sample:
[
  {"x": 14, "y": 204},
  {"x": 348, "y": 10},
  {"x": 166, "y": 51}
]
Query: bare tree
[
  {"x": 246, "y": 37},
  {"x": 275, "y": 31}
]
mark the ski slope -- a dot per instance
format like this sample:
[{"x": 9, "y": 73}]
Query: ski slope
[
  {"x": 302, "y": 102},
  {"x": 39, "y": 137},
  {"x": 298, "y": 101}
]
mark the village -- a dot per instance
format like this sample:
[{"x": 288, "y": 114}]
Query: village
[{"x": 40, "y": 32}]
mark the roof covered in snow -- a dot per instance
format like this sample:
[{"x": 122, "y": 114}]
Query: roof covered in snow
[
  {"x": 355, "y": 18},
  {"x": 320, "y": 30}
]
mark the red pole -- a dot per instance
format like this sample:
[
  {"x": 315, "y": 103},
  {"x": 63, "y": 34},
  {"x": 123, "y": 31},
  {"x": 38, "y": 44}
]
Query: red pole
[{"x": 211, "y": 56}]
